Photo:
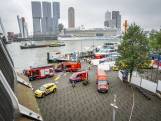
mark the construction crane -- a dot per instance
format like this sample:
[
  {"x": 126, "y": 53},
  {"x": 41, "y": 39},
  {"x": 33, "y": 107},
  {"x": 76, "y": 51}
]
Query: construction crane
[{"x": 125, "y": 26}]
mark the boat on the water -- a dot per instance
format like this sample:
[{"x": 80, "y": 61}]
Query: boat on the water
[
  {"x": 32, "y": 46},
  {"x": 54, "y": 57},
  {"x": 57, "y": 44}
]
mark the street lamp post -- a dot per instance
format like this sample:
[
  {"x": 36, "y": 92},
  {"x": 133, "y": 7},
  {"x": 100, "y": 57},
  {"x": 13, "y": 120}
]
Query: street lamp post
[
  {"x": 93, "y": 44},
  {"x": 114, "y": 106},
  {"x": 81, "y": 45}
]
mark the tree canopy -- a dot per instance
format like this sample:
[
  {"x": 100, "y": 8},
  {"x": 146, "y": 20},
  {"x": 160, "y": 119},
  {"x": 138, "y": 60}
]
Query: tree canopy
[
  {"x": 60, "y": 27},
  {"x": 133, "y": 49},
  {"x": 155, "y": 42}
]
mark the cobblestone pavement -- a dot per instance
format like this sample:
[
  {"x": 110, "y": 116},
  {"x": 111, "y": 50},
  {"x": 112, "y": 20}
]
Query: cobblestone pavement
[{"x": 84, "y": 103}]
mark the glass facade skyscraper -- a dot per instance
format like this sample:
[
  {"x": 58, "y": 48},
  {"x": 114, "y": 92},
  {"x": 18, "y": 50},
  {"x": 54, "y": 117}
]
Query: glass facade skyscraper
[{"x": 45, "y": 17}]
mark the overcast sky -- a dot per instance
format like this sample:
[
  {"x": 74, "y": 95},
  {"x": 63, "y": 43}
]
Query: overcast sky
[{"x": 90, "y": 13}]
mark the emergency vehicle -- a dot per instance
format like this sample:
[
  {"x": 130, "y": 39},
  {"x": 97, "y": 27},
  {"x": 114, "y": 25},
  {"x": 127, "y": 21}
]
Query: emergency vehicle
[
  {"x": 45, "y": 90},
  {"x": 68, "y": 67},
  {"x": 79, "y": 76},
  {"x": 39, "y": 72},
  {"x": 104, "y": 53},
  {"x": 102, "y": 81}
]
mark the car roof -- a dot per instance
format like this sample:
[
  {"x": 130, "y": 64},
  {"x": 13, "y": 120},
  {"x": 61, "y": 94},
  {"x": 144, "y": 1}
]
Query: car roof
[
  {"x": 68, "y": 63},
  {"x": 48, "y": 84},
  {"x": 80, "y": 72},
  {"x": 101, "y": 72},
  {"x": 41, "y": 66},
  {"x": 103, "y": 78}
]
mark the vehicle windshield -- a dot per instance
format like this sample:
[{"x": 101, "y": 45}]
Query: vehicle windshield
[
  {"x": 74, "y": 75},
  {"x": 42, "y": 88},
  {"x": 102, "y": 82}
]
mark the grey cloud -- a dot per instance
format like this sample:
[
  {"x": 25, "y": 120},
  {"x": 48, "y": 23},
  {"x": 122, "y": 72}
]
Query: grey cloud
[{"x": 90, "y": 13}]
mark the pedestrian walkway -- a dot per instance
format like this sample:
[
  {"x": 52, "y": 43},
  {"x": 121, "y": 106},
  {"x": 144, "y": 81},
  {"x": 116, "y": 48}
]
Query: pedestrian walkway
[{"x": 84, "y": 103}]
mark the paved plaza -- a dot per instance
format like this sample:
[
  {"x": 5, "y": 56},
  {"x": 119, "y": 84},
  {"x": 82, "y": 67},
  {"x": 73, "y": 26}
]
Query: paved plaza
[{"x": 84, "y": 103}]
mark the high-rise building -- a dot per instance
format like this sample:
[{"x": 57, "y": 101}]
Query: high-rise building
[
  {"x": 106, "y": 23},
  {"x": 107, "y": 18},
  {"x": 36, "y": 15},
  {"x": 71, "y": 18},
  {"x": 117, "y": 17},
  {"x": 45, "y": 17},
  {"x": 118, "y": 22},
  {"x": 22, "y": 27},
  {"x": 112, "y": 23},
  {"x": 56, "y": 15},
  {"x": 107, "y": 15}
]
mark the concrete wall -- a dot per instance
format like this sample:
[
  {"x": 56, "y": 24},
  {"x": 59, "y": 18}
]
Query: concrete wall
[
  {"x": 5, "y": 66},
  {"x": 159, "y": 86},
  {"x": 146, "y": 84},
  {"x": 6, "y": 107},
  {"x": 149, "y": 85}
]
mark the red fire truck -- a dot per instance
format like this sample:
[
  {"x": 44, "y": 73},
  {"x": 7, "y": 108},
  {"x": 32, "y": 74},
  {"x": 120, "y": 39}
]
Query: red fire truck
[
  {"x": 68, "y": 66},
  {"x": 39, "y": 72},
  {"x": 102, "y": 81},
  {"x": 99, "y": 56}
]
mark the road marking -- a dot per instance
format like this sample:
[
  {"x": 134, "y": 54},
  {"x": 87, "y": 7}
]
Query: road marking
[{"x": 57, "y": 78}]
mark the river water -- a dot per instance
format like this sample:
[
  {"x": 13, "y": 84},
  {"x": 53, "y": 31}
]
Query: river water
[{"x": 24, "y": 58}]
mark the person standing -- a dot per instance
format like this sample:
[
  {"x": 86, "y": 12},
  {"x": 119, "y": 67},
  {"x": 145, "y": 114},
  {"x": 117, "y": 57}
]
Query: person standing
[{"x": 73, "y": 83}]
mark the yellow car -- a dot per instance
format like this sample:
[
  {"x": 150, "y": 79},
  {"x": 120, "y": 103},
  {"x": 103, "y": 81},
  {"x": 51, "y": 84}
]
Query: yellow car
[
  {"x": 45, "y": 90},
  {"x": 115, "y": 68}
]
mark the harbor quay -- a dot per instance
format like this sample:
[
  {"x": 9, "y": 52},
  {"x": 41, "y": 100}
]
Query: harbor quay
[
  {"x": 72, "y": 61},
  {"x": 84, "y": 103},
  {"x": 81, "y": 102}
]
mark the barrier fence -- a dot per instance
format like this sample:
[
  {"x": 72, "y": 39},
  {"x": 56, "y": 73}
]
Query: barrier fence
[{"x": 144, "y": 83}]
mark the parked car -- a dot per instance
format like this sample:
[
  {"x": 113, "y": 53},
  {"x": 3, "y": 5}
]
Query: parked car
[
  {"x": 102, "y": 81},
  {"x": 115, "y": 68},
  {"x": 79, "y": 76},
  {"x": 45, "y": 90}
]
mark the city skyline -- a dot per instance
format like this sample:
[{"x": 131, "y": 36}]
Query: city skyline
[{"x": 90, "y": 13}]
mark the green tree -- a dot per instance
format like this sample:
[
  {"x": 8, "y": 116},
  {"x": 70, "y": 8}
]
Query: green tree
[
  {"x": 155, "y": 42},
  {"x": 133, "y": 49},
  {"x": 60, "y": 27}
]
